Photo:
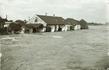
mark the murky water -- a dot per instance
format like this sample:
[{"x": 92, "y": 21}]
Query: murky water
[{"x": 72, "y": 50}]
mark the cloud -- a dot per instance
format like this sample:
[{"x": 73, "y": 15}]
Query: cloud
[{"x": 91, "y": 10}]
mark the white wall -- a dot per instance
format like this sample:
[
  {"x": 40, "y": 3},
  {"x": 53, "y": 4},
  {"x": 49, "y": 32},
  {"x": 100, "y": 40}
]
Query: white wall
[
  {"x": 43, "y": 30},
  {"x": 64, "y": 27},
  {"x": 77, "y": 27},
  {"x": 52, "y": 28},
  {"x": 68, "y": 27},
  {"x": 22, "y": 30},
  {"x": 39, "y": 21},
  {"x": 57, "y": 27}
]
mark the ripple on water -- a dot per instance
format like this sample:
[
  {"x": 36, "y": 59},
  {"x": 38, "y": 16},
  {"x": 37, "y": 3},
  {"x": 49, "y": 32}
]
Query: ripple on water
[{"x": 57, "y": 36}]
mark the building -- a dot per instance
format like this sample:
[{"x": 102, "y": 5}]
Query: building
[
  {"x": 84, "y": 24},
  {"x": 72, "y": 24},
  {"x": 50, "y": 23}
]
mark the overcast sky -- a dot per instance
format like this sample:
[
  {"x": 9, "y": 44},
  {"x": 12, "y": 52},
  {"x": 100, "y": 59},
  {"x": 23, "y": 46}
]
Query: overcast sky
[{"x": 90, "y": 10}]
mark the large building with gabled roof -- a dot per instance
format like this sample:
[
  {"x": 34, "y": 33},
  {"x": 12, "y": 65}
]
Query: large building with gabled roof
[{"x": 50, "y": 23}]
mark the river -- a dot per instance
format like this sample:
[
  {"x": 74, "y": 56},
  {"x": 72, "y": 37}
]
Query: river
[{"x": 72, "y": 50}]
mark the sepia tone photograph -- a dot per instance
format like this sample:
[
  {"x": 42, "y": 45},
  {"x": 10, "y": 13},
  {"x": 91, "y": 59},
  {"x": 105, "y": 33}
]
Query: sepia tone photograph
[{"x": 54, "y": 35}]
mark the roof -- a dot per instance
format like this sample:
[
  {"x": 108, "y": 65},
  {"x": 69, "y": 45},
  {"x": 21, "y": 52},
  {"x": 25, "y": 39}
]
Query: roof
[
  {"x": 52, "y": 19},
  {"x": 33, "y": 25},
  {"x": 71, "y": 21},
  {"x": 84, "y": 24}
]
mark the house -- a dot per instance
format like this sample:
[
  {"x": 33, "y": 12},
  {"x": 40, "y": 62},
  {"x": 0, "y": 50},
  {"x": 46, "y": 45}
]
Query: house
[
  {"x": 50, "y": 23},
  {"x": 84, "y": 24},
  {"x": 72, "y": 24}
]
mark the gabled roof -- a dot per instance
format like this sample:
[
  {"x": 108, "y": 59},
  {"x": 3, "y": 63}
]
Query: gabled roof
[
  {"x": 71, "y": 21},
  {"x": 52, "y": 19}
]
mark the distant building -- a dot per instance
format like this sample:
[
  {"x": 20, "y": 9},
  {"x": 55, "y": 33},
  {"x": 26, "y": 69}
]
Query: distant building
[
  {"x": 76, "y": 25},
  {"x": 50, "y": 23}
]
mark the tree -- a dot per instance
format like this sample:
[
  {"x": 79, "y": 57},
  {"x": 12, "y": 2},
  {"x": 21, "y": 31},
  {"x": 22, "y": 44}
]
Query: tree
[
  {"x": 21, "y": 22},
  {"x": 2, "y": 22},
  {"x": 14, "y": 27}
]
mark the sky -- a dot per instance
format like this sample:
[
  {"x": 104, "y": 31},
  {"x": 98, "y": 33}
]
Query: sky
[{"x": 90, "y": 10}]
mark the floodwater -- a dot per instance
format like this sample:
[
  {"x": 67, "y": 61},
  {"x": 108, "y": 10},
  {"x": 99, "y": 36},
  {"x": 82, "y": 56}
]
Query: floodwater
[{"x": 72, "y": 50}]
